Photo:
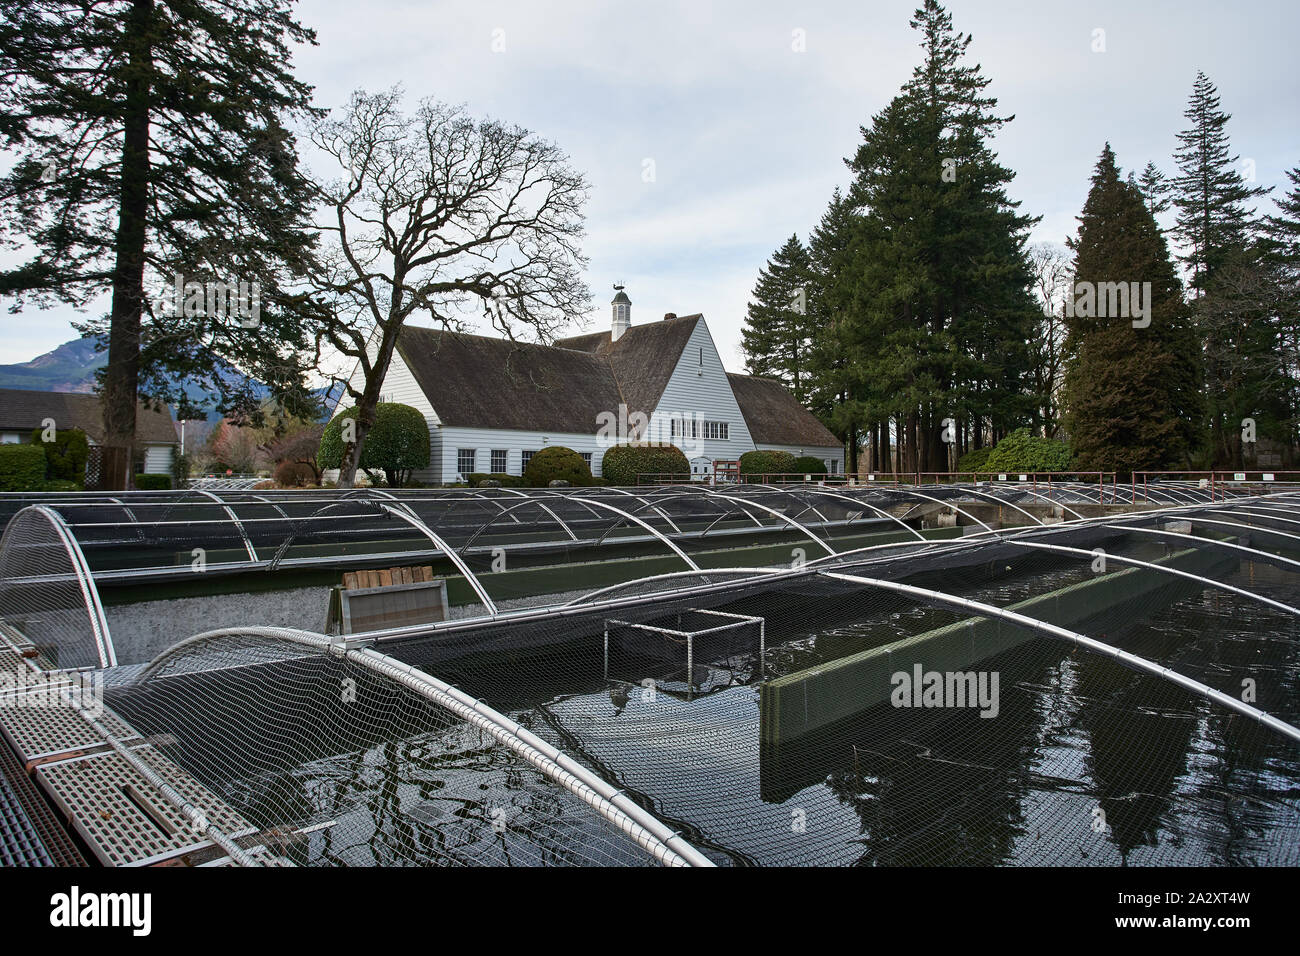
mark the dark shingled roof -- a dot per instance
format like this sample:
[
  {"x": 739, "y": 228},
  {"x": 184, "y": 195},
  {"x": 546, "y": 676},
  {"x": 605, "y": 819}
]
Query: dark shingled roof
[
  {"x": 23, "y": 410},
  {"x": 473, "y": 381},
  {"x": 774, "y": 417},
  {"x": 642, "y": 359}
]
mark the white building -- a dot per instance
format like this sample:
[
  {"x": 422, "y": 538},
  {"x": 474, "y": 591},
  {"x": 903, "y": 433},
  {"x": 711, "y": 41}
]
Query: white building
[
  {"x": 22, "y": 411},
  {"x": 491, "y": 403}
]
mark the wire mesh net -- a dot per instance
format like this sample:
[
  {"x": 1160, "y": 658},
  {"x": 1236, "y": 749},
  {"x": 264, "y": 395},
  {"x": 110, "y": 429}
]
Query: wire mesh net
[{"x": 1009, "y": 674}]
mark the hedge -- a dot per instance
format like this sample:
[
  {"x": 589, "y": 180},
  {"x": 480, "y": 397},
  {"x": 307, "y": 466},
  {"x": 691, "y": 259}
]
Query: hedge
[
  {"x": 22, "y": 468},
  {"x": 621, "y": 464},
  {"x": 808, "y": 465},
  {"x": 396, "y": 444},
  {"x": 65, "y": 456},
  {"x": 1023, "y": 452},
  {"x": 557, "y": 463},
  {"x": 153, "y": 482},
  {"x": 768, "y": 463}
]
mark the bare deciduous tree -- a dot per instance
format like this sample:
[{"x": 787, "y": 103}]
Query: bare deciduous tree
[
  {"x": 438, "y": 214},
  {"x": 1053, "y": 271}
]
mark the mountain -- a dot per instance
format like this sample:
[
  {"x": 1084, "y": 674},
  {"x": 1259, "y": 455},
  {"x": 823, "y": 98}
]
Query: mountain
[{"x": 71, "y": 368}]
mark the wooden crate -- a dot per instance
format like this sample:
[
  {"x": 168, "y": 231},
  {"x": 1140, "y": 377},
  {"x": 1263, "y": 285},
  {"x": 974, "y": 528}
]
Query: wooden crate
[{"x": 373, "y": 600}]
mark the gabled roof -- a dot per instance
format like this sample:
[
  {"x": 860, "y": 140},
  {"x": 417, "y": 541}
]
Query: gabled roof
[
  {"x": 642, "y": 359},
  {"x": 774, "y": 417},
  {"x": 473, "y": 381},
  {"x": 24, "y": 410}
]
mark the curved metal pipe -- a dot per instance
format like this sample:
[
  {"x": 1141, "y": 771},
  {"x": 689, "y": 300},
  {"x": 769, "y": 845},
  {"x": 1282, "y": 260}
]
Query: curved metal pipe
[{"x": 1132, "y": 661}]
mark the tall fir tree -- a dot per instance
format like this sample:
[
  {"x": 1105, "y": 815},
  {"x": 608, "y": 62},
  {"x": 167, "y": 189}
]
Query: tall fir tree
[
  {"x": 834, "y": 389},
  {"x": 1209, "y": 191},
  {"x": 941, "y": 311},
  {"x": 1216, "y": 229},
  {"x": 151, "y": 141},
  {"x": 777, "y": 336},
  {"x": 1132, "y": 394}
]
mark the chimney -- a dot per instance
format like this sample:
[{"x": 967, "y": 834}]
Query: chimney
[
  {"x": 669, "y": 315},
  {"x": 622, "y": 313}
]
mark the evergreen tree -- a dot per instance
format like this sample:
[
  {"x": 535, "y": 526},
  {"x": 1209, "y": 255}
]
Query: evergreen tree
[
  {"x": 1209, "y": 192},
  {"x": 941, "y": 313},
  {"x": 777, "y": 335},
  {"x": 151, "y": 141},
  {"x": 1216, "y": 229},
  {"x": 1132, "y": 394},
  {"x": 1155, "y": 188},
  {"x": 834, "y": 388}
]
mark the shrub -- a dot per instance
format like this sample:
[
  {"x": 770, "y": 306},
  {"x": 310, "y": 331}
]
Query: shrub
[
  {"x": 1023, "y": 452},
  {"x": 153, "y": 482},
  {"x": 180, "y": 470},
  {"x": 977, "y": 459},
  {"x": 22, "y": 468},
  {"x": 557, "y": 463},
  {"x": 622, "y": 463},
  {"x": 294, "y": 474},
  {"x": 767, "y": 463},
  {"x": 62, "y": 485},
  {"x": 65, "y": 456},
  {"x": 396, "y": 444},
  {"x": 507, "y": 481},
  {"x": 808, "y": 465}
]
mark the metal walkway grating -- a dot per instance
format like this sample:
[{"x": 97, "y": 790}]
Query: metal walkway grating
[
  {"x": 30, "y": 835},
  {"x": 120, "y": 815}
]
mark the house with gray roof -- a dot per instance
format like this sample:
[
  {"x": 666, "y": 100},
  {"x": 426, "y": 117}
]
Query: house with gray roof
[
  {"x": 493, "y": 403},
  {"x": 24, "y": 410}
]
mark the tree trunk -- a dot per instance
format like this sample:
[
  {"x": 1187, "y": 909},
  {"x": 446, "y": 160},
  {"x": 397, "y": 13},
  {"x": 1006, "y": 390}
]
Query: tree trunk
[{"x": 121, "y": 379}]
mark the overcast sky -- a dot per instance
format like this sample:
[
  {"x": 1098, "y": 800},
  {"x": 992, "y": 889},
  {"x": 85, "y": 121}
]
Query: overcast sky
[{"x": 748, "y": 134}]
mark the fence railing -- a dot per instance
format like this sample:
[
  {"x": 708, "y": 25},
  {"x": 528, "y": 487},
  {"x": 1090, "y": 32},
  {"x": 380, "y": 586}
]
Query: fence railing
[{"x": 1216, "y": 481}]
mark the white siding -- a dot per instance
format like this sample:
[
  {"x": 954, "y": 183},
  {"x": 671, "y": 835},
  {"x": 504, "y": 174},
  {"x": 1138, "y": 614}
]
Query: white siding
[
  {"x": 834, "y": 454},
  {"x": 158, "y": 459},
  {"x": 400, "y": 386},
  {"x": 698, "y": 389},
  {"x": 515, "y": 443}
]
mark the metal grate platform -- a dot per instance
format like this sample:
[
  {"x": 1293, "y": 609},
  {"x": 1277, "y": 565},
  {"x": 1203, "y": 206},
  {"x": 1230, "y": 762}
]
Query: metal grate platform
[
  {"x": 31, "y": 836},
  {"x": 120, "y": 815}
]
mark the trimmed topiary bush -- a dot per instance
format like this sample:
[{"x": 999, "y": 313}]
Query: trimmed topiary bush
[
  {"x": 557, "y": 463},
  {"x": 808, "y": 465},
  {"x": 767, "y": 463},
  {"x": 65, "y": 456},
  {"x": 622, "y": 463},
  {"x": 22, "y": 468},
  {"x": 396, "y": 444},
  {"x": 1023, "y": 452},
  {"x": 153, "y": 482}
]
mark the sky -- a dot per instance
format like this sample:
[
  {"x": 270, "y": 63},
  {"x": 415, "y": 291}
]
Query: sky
[{"x": 746, "y": 112}]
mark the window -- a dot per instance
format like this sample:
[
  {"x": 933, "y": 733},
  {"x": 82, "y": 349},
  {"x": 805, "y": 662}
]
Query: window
[
  {"x": 682, "y": 427},
  {"x": 465, "y": 461},
  {"x": 527, "y": 457},
  {"x": 499, "y": 461},
  {"x": 586, "y": 456},
  {"x": 10, "y": 438},
  {"x": 718, "y": 430}
]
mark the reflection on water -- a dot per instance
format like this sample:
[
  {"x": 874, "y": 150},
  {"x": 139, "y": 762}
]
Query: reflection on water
[{"x": 1088, "y": 763}]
